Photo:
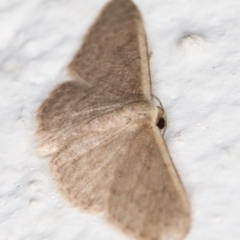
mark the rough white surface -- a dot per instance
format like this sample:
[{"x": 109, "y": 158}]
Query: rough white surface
[{"x": 195, "y": 72}]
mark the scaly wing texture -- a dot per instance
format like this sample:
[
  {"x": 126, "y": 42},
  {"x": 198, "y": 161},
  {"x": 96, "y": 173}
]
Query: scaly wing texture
[
  {"x": 84, "y": 169},
  {"x": 110, "y": 70},
  {"x": 69, "y": 107},
  {"x": 114, "y": 57},
  {"x": 147, "y": 198}
]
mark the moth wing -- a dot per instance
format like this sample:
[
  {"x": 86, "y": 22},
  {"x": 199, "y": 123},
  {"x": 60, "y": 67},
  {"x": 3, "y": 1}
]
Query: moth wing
[
  {"x": 84, "y": 169},
  {"x": 68, "y": 108},
  {"x": 114, "y": 56},
  {"x": 105, "y": 78},
  {"x": 147, "y": 198}
]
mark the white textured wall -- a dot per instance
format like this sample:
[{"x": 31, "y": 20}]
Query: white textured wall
[{"x": 196, "y": 77}]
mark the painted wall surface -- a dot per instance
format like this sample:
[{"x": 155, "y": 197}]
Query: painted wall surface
[{"x": 195, "y": 68}]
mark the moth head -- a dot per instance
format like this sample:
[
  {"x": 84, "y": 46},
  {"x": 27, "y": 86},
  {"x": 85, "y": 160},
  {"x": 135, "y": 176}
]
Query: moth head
[{"x": 161, "y": 120}]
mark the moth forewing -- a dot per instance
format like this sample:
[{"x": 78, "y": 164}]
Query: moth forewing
[{"x": 147, "y": 198}]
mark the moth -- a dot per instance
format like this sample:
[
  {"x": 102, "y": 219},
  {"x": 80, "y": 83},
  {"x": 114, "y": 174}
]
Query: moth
[{"x": 100, "y": 128}]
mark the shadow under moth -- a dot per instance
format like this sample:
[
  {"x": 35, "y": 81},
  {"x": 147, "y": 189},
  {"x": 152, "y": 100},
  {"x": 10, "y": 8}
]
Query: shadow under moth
[{"x": 107, "y": 152}]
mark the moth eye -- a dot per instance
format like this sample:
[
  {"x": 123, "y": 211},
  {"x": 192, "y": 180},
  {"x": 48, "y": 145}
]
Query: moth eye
[{"x": 161, "y": 123}]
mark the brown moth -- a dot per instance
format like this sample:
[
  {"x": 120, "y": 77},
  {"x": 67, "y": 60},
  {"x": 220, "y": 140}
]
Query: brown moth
[{"x": 101, "y": 130}]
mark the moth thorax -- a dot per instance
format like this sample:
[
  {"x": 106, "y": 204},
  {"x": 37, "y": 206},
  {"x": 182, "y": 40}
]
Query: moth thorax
[{"x": 141, "y": 110}]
